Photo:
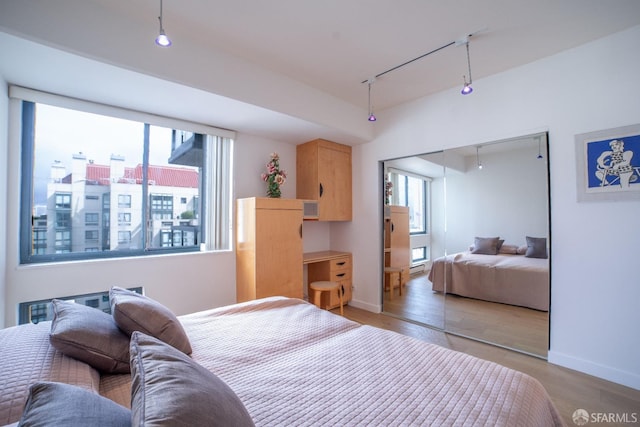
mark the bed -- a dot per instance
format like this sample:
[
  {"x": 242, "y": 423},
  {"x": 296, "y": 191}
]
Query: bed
[
  {"x": 504, "y": 278},
  {"x": 291, "y": 363}
]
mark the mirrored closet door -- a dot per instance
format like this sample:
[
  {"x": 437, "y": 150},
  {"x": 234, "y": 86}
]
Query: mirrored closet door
[{"x": 479, "y": 267}]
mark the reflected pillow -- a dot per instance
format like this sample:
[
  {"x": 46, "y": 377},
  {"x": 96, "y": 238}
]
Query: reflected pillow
[
  {"x": 486, "y": 245},
  {"x": 134, "y": 312},
  {"x": 89, "y": 335},
  {"x": 168, "y": 388},
  {"x": 536, "y": 247},
  {"x": 60, "y": 404},
  {"x": 508, "y": 249}
]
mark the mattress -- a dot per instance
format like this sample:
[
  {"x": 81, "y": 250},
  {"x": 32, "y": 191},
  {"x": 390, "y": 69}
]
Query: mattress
[{"x": 293, "y": 364}]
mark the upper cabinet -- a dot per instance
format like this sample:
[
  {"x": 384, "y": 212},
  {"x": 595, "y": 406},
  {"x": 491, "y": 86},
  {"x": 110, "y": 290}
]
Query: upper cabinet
[{"x": 323, "y": 173}]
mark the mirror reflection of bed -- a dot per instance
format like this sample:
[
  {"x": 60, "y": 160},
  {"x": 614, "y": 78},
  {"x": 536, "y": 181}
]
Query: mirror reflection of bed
[{"x": 487, "y": 276}]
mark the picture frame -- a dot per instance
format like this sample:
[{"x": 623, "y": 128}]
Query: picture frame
[{"x": 608, "y": 164}]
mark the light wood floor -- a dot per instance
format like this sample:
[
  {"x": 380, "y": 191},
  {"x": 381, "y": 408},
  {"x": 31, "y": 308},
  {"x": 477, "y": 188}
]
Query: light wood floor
[
  {"x": 503, "y": 324},
  {"x": 569, "y": 390}
]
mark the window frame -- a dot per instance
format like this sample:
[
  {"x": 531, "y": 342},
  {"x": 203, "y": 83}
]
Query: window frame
[
  {"x": 425, "y": 193},
  {"x": 216, "y": 216},
  {"x": 400, "y": 180}
]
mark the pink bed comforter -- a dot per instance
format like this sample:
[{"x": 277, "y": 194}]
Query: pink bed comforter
[
  {"x": 294, "y": 364},
  {"x": 503, "y": 278}
]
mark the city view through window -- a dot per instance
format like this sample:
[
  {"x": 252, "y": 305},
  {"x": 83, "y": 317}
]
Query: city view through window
[{"x": 93, "y": 192}]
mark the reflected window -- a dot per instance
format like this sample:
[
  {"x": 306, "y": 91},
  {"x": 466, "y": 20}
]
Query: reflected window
[
  {"x": 419, "y": 254},
  {"x": 412, "y": 191}
]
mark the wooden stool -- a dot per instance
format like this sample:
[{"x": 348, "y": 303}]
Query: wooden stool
[
  {"x": 325, "y": 286},
  {"x": 394, "y": 276}
]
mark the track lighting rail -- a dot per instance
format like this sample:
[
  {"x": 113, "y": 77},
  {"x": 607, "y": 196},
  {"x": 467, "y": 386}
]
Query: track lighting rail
[{"x": 460, "y": 41}]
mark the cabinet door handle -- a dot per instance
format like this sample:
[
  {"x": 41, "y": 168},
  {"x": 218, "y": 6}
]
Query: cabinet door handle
[
  {"x": 340, "y": 274},
  {"x": 392, "y": 227},
  {"x": 341, "y": 263},
  {"x": 321, "y": 189},
  {"x": 301, "y": 231}
]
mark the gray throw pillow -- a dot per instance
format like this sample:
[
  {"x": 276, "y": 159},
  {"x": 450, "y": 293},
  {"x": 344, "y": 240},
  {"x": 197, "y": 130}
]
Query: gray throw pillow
[
  {"x": 168, "y": 388},
  {"x": 486, "y": 245},
  {"x": 66, "y": 405},
  {"x": 536, "y": 247},
  {"x": 89, "y": 335},
  {"x": 134, "y": 312}
]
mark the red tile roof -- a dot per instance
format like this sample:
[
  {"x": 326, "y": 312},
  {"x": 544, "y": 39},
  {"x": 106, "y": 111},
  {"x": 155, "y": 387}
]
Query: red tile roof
[{"x": 169, "y": 176}]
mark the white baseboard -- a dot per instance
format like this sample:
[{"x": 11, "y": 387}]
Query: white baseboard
[
  {"x": 608, "y": 373},
  {"x": 365, "y": 306}
]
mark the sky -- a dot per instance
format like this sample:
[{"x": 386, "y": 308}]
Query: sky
[{"x": 60, "y": 133}]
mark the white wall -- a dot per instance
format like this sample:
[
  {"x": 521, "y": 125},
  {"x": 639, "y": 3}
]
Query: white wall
[
  {"x": 4, "y": 107},
  {"x": 506, "y": 198},
  {"x": 595, "y": 287},
  {"x": 251, "y": 154}
]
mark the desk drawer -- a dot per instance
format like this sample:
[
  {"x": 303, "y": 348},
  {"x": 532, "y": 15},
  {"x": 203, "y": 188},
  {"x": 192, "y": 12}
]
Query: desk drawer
[
  {"x": 340, "y": 276},
  {"x": 343, "y": 263}
]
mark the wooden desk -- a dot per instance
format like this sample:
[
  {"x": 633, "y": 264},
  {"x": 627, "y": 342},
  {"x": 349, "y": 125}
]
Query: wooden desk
[
  {"x": 333, "y": 266},
  {"x": 312, "y": 257}
]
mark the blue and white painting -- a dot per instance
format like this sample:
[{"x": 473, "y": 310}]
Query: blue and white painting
[{"x": 613, "y": 164}]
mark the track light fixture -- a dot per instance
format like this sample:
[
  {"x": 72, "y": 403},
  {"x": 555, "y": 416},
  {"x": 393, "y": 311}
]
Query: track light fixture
[
  {"x": 467, "y": 89},
  {"x": 467, "y": 86},
  {"x": 372, "y": 117},
  {"x": 162, "y": 40},
  {"x": 478, "y": 157},
  {"x": 539, "y": 147}
]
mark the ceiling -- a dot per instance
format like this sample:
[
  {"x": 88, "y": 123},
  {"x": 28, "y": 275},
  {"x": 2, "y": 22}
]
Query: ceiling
[
  {"x": 437, "y": 164},
  {"x": 322, "y": 49}
]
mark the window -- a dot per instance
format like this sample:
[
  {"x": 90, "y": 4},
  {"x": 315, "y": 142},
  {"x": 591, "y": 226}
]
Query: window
[
  {"x": 165, "y": 238},
  {"x": 414, "y": 191},
  {"x": 62, "y": 242},
  {"x": 63, "y": 200},
  {"x": 161, "y": 206},
  {"x": 124, "y": 201},
  {"x": 39, "y": 241},
  {"x": 39, "y": 311},
  {"x": 124, "y": 218},
  {"x": 124, "y": 237},
  {"x": 419, "y": 254},
  {"x": 63, "y": 219},
  {"x": 87, "y": 165},
  {"x": 91, "y": 235},
  {"x": 91, "y": 218}
]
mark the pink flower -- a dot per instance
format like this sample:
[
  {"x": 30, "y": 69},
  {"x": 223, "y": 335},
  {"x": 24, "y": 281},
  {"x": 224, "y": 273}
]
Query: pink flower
[{"x": 274, "y": 177}]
